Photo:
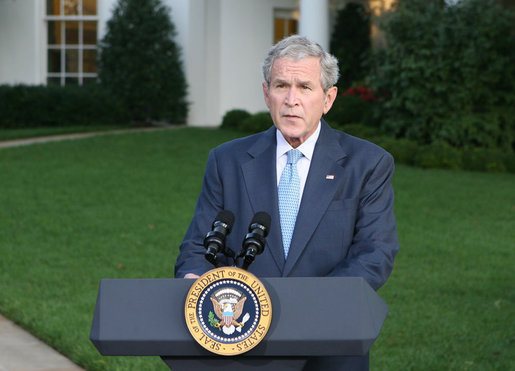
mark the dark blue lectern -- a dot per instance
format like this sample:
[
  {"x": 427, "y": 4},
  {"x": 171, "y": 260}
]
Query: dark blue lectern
[{"x": 312, "y": 317}]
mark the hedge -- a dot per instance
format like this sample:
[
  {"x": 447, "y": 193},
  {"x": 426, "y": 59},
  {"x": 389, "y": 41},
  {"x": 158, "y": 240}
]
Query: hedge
[
  {"x": 405, "y": 151},
  {"x": 30, "y": 106},
  {"x": 234, "y": 118}
]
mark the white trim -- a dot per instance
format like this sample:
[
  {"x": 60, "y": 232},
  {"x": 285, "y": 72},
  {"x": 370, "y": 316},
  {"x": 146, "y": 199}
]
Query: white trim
[{"x": 71, "y": 17}]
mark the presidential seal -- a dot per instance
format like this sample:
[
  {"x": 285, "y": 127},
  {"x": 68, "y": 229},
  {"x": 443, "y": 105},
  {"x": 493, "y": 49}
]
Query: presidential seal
[{"x": 228, "y": 311}]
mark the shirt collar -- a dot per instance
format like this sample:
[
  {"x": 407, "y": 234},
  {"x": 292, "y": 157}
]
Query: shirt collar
[{"x": 307, "y": 148}]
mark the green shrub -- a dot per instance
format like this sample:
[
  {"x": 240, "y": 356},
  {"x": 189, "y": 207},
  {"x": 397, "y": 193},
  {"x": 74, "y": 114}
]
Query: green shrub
[
  {"x": 493, "y": 129},
  {"x": 438, "y": 155},
  {"x": 449, "y": 72},
  {"x": 140, "y": 62},
  {"x": 256, "y": 123},
  {"x": 491, "y": 160},
  {"x": 233, "y": 119},
  {"x": 349, "y": 109},
  {"x": 360, "y": 131},
  {"x": 24, "y": 106},
  {"x": 403, "y": 150},
  {"x": 509, "y": 161}
]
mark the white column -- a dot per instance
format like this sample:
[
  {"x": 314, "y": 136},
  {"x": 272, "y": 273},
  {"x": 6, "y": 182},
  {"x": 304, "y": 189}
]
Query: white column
[{"x": 314, "y": 21}]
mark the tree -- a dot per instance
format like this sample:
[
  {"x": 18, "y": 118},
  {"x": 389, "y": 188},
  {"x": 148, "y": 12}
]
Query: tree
[
  {"x": 140, "y": 62},
  {"x": 449, "y": 74},
  {"x": 350, "y": 43}
]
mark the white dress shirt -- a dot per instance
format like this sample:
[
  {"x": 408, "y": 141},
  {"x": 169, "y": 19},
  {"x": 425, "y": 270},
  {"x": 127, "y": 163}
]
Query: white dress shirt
[{"x": 307, "y": 148}]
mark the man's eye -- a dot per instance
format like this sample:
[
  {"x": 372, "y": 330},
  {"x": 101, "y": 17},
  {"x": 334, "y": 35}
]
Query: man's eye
[{"x": 305, "y": 87}]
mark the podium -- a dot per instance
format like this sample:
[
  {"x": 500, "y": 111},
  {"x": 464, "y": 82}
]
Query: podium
[{"x": 312, "y": 317}]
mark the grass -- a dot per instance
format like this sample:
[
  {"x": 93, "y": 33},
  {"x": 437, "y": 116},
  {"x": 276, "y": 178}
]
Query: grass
[
  {"x": 451, "y": 293},
  {"x": 74, "y": 212}
]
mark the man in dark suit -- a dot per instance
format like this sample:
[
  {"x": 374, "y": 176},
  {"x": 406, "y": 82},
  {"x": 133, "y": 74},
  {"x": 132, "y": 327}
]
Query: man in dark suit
[{"x": 342, "y": 223}]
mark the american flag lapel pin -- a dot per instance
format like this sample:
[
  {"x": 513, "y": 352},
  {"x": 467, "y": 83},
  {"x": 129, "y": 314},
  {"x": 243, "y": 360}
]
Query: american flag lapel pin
[{"x": 330, "y": 177}]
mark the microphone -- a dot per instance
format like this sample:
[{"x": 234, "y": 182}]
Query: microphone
[
  {"x": 214, "y": 242},
  {"x": 254, "y": 242}
]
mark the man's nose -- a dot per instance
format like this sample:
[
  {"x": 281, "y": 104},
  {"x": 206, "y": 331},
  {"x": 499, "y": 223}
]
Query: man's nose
[{"x": 291, "y": 97}]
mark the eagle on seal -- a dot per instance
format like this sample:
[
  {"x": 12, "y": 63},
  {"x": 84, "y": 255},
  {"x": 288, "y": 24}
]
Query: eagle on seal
[{"x": 229, "y": 313}]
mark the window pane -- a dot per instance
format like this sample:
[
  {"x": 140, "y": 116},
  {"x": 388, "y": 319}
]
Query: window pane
[
  {"x": 53, "y": 81},
  {"x": 71, "y": 81},
  {"x": 90, "y": 61},
  {"x": 71, "y": 50},
  {"x": 72, "y": 61},
  {"x": 90, "y": 33},
  {"x": 285, "y": 23},
  {"x": 71, "y": 7},
  {"x": 72, "y": 33},
  {"x": 54, "y": 32},
  {"x": 292, "y": 27},
  {"x": 54, "y": 60},
  {"x": 52, "y": 7},
  {"x": 278, "y": 29},
  {"x": 89, "y": 7}
]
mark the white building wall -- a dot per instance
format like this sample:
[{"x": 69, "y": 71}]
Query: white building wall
[
  {"x": 223, "y": 43},
  {"x": 246, "y": 34},
  {"x": 105, "y": 10},
  {"x": 22, "y": 35}
]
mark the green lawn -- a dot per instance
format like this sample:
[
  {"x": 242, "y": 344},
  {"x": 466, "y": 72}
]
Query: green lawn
[{"x": 74, "y": 212}]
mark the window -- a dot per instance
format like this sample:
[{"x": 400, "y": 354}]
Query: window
[
  {"x": 285, "y": 23},
  {"x": 72, "y": 41}
]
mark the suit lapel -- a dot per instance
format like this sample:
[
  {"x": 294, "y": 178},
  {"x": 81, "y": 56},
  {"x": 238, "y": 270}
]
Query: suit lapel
[
  {"x": 325, "y": 174},
  {"x": 261, "y": 184}
]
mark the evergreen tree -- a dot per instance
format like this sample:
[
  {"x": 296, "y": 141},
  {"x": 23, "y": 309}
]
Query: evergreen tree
[
  {"x": 140, "y": 62},
  {"x": 350, "y": 43}
]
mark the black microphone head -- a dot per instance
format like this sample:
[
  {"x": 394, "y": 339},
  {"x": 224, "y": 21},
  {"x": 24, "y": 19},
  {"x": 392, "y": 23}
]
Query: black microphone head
[
  {"x": 263, "y": 219},
  {"x": 227, "y": 217}
]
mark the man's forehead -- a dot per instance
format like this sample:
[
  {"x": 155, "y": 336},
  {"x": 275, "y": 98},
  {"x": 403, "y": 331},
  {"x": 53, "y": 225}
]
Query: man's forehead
[{"x": 306, "y": 67}]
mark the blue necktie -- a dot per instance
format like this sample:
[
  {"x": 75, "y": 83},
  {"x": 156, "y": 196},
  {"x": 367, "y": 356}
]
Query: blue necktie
[{"x": 288, "y": 191}]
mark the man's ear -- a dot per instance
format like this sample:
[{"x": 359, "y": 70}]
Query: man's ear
[
  {"x": 265, "y": 93},
  {"x": 330, "y": 96}
]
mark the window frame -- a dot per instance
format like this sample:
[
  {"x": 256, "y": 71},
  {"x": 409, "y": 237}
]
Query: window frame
[
  {"x": 63, "y": 75},
  {"x": 285, "y": 15}
]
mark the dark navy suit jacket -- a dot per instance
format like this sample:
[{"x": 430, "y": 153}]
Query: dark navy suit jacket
[{"x": 345, "y": 225}]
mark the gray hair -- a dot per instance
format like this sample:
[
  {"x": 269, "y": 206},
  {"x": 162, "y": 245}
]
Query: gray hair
[{"x": 298, "y": 47}]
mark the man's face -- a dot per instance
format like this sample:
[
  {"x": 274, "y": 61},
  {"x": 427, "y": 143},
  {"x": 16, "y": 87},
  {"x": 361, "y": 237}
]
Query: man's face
[{"x": 296, "y": 99}]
